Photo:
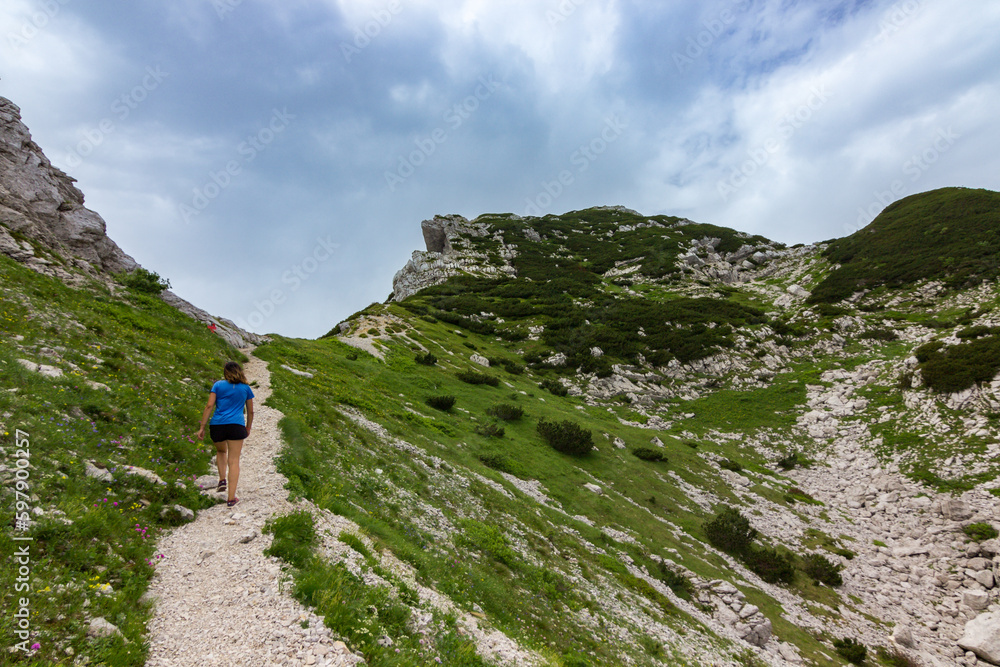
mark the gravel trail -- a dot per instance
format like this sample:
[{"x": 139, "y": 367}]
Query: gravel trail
[{"x": 218, "y": 598}]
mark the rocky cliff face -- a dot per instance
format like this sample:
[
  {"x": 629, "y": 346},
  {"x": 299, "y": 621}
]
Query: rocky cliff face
[
  {"x": 449, "y": 254},
  {"x": 44, "y": 224}
]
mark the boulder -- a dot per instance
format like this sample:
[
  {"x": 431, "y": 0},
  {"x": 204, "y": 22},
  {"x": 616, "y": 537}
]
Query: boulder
[
  {"x": 145, "y": 474},
  {"x": 100, "y": 627},
  {"x": 94, "y": 471},
  {"x": 177, "y": 513},
  {"x": 295, "y": 371},
  {"x": 797, "y": 291},
  {"x": 902, "y": 636},
  {"x": 982, "y": 637},
  {"x": 977, "y": 600},
  {"x": 207, "y": 482},
  {"x": 480, "y": 359},
  {"x": 593, "y": 487}
]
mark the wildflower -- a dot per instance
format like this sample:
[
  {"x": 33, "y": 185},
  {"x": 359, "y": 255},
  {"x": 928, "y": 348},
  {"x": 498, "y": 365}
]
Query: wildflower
[{"x": 36, "y": 646}]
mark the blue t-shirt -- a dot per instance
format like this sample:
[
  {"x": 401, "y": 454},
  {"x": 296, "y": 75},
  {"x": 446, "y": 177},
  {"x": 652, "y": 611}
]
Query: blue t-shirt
[{"x": 229, "y": 402}]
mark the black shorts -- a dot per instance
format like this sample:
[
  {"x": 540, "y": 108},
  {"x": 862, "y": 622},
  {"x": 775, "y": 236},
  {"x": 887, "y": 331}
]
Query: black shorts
[{"x": 220, "y": 432}]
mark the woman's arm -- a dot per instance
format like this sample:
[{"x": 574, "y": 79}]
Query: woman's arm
[
  {"x": 209, "y": 408},
  {"x": 249, "y": 405}
]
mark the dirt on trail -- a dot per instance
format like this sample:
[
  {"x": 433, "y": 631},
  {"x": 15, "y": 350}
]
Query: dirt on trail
[{"x": 218, "y": 598}]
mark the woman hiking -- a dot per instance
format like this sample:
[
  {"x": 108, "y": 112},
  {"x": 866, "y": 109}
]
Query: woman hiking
[{"x": 227, "y": 429}]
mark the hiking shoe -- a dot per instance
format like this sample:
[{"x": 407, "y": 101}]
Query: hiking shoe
[
  {"x": 221, "y": 487},
  {"x": 231, "y": 503}
]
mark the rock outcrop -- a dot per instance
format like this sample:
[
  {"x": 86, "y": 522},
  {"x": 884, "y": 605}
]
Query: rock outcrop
[
  {"x": 448, "y": 255},
  {"x": 45, "y": 226},
  {"x": 43, "y": 222}
]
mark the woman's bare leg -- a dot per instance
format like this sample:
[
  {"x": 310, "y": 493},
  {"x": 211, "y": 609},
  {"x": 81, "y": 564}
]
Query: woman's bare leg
[
  {"x": 235, "y": 448},
  {"x": 221, "y": 454}
]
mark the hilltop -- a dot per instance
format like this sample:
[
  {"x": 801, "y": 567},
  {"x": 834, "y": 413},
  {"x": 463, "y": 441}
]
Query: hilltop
[{"x": 596, "y": 438}]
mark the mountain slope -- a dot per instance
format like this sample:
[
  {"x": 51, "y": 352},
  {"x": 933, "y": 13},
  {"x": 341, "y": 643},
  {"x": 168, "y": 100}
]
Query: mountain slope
[
  {"x": 949, "y": 235},
  {"x": 706, "y": 381}
]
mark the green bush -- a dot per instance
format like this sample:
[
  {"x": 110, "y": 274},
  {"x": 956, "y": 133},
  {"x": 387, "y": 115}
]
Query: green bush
[
  {"x": 729, "y": 464},
  {"x": 896, "y": 657},
  {"x": 443, "y": 403},
  {"x": 490, "y": 430},
  {"x": 294, "y": 537},
  {"x": 822, "y": 569},
  {"x": 566, "y": 437},
  {"x": 730, "y": 531},
  {"x": 506, "y": 411},
  {"x": 770, "y": 564},
  {"x": 851, "y": 650},
  {"x": 474, "y": 377},
  {"x": 649, "y": 454},
  {"x": 980, "y": 532},
  {"x": 426, "y": 359},
  {"x": 677, "y": 582},
  {"x": 554, "y": 387},
  {"x": 958, "y": 367},
  {"x": 143, "y": 281},
  {"x": 789, "y": 462},
  {"x": 499, "y": 461}
]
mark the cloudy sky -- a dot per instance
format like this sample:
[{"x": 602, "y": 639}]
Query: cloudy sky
[{"x": 274, "y": 158}]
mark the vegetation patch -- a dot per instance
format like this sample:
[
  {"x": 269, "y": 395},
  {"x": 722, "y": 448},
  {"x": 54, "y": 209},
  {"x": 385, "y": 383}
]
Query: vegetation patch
[
  {"x": 443, "y": 403},
  {"x": 980, "y": 532},
  {"x": 950, "y": 234},
  {"x": 294, "y": 537},
  {"x": 649, "y": 454},
  {"x": 566, "y": 436}
]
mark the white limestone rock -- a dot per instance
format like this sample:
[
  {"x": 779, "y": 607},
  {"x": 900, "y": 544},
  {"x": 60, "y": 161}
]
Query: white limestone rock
[{"x": 982, "y": 637}]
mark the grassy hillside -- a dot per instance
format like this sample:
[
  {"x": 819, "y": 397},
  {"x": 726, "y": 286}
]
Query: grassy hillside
[
  {"x": 134, "y": 377},
  {"x": 951, "y": 235}
]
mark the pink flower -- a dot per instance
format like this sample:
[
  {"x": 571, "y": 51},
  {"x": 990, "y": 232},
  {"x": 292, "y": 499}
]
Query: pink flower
[{"x": 36, "y": 646}]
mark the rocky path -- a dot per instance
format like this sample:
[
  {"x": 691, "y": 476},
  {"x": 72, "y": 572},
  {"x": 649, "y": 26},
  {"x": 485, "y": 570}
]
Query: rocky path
[{"x": 219, "y": 600}]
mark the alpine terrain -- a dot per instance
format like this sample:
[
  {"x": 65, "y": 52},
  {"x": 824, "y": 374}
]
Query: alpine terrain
[{"x": 596, "y": 438}]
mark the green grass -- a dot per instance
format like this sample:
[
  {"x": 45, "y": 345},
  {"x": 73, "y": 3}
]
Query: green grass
[
  {"x": 949, "y": 234},
  {"x": 141, "y": 350}
]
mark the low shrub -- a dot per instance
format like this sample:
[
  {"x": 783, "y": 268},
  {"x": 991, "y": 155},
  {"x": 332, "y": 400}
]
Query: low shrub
[
  {"x": 980, "y": 532},
  {"x": 771, "y": 565},
  {"x": 729, "y": 464},
  {"x": 506, "y": 411},
  {"x": 294, "y": 537},
  {"x": 896, "y": 657},
  {"x": 141, "y": 280},
  {"x": 490, "y": 430},
  {"x": 554, "y": 387},
  {"x": 851, "y": 650},
  {"x": 443, "y": 403},
  {"x": 498, "y": 461},
  {"x": 566, "y": 437},
  {"x": 822, "y": 569},
  {"x": 677, "y": 582},
  {"x": 474, "y": 377},
  {"x": 426, "y": 359},
  {"x": 649, "y": 454},
  {"x": 730, "y": 531},
  {"x": 880, "y": 334},
  {"x": 789, "y": 462}
]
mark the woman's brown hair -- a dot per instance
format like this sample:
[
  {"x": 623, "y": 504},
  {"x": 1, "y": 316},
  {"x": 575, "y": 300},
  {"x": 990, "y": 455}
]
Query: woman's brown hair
[{"x": 234, "y": 374}]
